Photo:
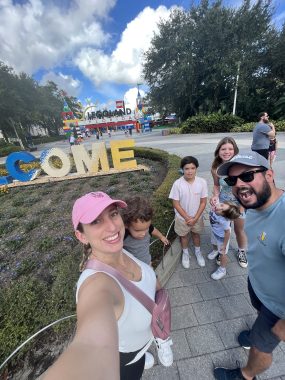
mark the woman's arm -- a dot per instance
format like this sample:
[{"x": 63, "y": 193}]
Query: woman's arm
[
  {"x": 93, "y": 353},
  {"x": 216, "y": 189}
]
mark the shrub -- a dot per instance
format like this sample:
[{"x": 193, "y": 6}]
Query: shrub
[
  {"x": 23, "y": 310},
  {"x": 212, "y": 123},
  {"x": 6, "y": 150},
  {"x": 248, "y": 127}
]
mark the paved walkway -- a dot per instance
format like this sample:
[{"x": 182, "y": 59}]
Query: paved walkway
[{"x": 207, "y": 316}]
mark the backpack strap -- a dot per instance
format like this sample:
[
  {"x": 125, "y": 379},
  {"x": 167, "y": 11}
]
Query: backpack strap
[{"x": 143, "y": 298}]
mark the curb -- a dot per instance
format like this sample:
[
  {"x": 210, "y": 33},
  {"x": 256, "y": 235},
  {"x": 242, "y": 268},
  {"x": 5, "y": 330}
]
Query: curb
[{"x": 170, "y": 260}]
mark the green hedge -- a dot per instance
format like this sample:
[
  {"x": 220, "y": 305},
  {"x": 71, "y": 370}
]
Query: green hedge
[
  {"x": 47, "y": 139},
  {"x": 248, "y": 127},
  {"x": 6, "y": 150},
  {"x": 212, "y": 123}
]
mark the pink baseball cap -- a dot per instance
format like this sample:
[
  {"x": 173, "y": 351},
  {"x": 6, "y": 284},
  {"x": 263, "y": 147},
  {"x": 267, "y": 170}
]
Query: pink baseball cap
[{"x": 90, "y": 206}]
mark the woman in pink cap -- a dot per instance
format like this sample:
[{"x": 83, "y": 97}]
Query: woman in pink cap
[{"x": 113, "y": 328}]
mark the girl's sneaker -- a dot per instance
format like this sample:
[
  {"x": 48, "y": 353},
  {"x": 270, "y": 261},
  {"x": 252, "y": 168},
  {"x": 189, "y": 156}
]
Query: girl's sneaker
[
  {"x": 212, "y": 255},
  {"x": 149, "y": 360},
  {"x": 220, "y": 273},
  {"x": 164, "y": 351}
]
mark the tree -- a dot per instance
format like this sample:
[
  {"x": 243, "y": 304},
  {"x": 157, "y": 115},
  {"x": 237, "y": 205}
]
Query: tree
[{"x": 192, "y": 63}]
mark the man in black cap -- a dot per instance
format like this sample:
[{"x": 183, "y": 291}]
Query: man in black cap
[{"x": 253, "y": 184}]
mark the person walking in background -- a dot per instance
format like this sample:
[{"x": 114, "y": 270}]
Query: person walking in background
[
  {"x": 262, "y": 133},
  {"x": 113, "y": 327},
  {"x": 71, "y": 139},
  {"x": 220, "y": 220},
  {"x": 272, "y": 150},
  {"x": 253, "y": 184},
  {"x": 225, "y": 150},
  {"x": 189, "y": 197},
  {"x": 139, "y": 229}
]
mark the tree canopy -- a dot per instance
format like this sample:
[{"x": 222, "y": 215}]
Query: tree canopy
[
  {"x": 192, "y": 64},
  {"x": 24, "y": 104}
]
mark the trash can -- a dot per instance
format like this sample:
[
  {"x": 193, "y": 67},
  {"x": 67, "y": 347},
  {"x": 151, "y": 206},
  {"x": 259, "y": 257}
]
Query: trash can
[{"x": 165, "y": 132}]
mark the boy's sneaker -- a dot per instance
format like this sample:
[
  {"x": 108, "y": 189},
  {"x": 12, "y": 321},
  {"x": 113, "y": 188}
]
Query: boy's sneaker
[
  {"x": 149, "y": 360},
  {"x": 218, "y": 259},
  {"x": 220, "y": 273},
  {"x": 200, "y": 259},
  {"x": 242, "y": 259},
  {"x": 221, "y": 373},
  {"x": 164, "y": 351},
  {"x": 244, "y": 340},
  {"x": 212, "y": 255},
  {"x": 185, "y": 260}
]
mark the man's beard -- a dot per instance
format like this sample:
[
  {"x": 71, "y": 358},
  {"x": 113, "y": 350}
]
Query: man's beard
[{"x": 261, "y": 197}]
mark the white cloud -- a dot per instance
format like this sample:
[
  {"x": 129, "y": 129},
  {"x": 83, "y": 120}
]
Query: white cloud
[
  {"x": 65, "y": 82},
  {"x": 39, "y": 34},
  {"x": 131, "y": 96},
  {"x": 124, "y": 64}
]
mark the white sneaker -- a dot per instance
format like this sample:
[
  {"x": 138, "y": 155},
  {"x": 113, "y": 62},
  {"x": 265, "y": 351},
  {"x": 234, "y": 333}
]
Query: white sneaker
[
  {"x": 220, "y": 273},
  {"x": 164, "y": 351},
  {"x": 212, "y": 255},
  {"x": 149, "y": 360},
  {"x": 185, "y": 260},
  {"x": 200, "y": 259}
]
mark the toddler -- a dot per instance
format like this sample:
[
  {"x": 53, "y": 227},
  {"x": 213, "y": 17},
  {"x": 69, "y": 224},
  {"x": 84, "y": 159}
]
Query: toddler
[
  {"x": 139, "y": 229},
  {"x": 220, "y": 219}
]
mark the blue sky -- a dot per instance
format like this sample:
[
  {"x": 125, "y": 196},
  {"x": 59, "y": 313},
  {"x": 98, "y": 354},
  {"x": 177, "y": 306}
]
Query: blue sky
[{"x": 90, "y": 48}]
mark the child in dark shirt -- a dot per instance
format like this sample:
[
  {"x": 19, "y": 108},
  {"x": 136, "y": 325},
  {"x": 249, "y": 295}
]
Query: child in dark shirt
[{"x": 137, "y": 219}]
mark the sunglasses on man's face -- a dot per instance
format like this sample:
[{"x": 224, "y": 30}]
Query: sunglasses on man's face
[{"x": 245, "y": 177}]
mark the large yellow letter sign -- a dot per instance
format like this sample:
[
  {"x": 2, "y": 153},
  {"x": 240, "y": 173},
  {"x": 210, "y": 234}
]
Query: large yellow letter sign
[
  {"x": 84, "y": 162},
  {"x": 118, "y": 155}
]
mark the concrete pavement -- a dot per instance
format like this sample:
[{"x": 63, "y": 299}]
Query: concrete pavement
[{"x": 208, "y": 315}]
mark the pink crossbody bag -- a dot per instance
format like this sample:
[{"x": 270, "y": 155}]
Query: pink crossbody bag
[{"x": 159, "y": 309}]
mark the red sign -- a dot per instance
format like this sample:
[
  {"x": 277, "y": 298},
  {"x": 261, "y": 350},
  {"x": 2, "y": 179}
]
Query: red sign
[{"x": 120, "y": 104}]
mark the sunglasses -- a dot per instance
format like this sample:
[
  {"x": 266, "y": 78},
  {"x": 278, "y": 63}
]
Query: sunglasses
[{"x": 245, "y": 177}]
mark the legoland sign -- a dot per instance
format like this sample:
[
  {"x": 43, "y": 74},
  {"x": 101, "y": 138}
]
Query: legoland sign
[{"x": 122, "y": 157}]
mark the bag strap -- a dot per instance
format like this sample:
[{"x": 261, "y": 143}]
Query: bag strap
[{"x": 143, "y": 298}]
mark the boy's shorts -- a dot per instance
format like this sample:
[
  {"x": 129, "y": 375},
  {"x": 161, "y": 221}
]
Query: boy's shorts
[
  {"x": 182, "y": 229},
  {"x": 261, "y": 335},
  {"x": 219, "y": 242}
]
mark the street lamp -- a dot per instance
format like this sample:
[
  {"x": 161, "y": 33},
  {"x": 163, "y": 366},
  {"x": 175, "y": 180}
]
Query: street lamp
[{"x": 236, "y": 88}]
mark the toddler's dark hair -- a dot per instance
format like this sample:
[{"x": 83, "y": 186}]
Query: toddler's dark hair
[
  {"x": 138, "y": 208},
  {"x": 233, "y": 212},
  {"x": 189, "y": 160}
]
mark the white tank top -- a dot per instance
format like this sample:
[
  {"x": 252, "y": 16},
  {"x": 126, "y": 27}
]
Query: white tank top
[{"x": 134, "y": 322}]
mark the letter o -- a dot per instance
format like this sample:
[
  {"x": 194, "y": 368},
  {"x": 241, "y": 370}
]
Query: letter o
[{"x": 48, "y": 166}]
